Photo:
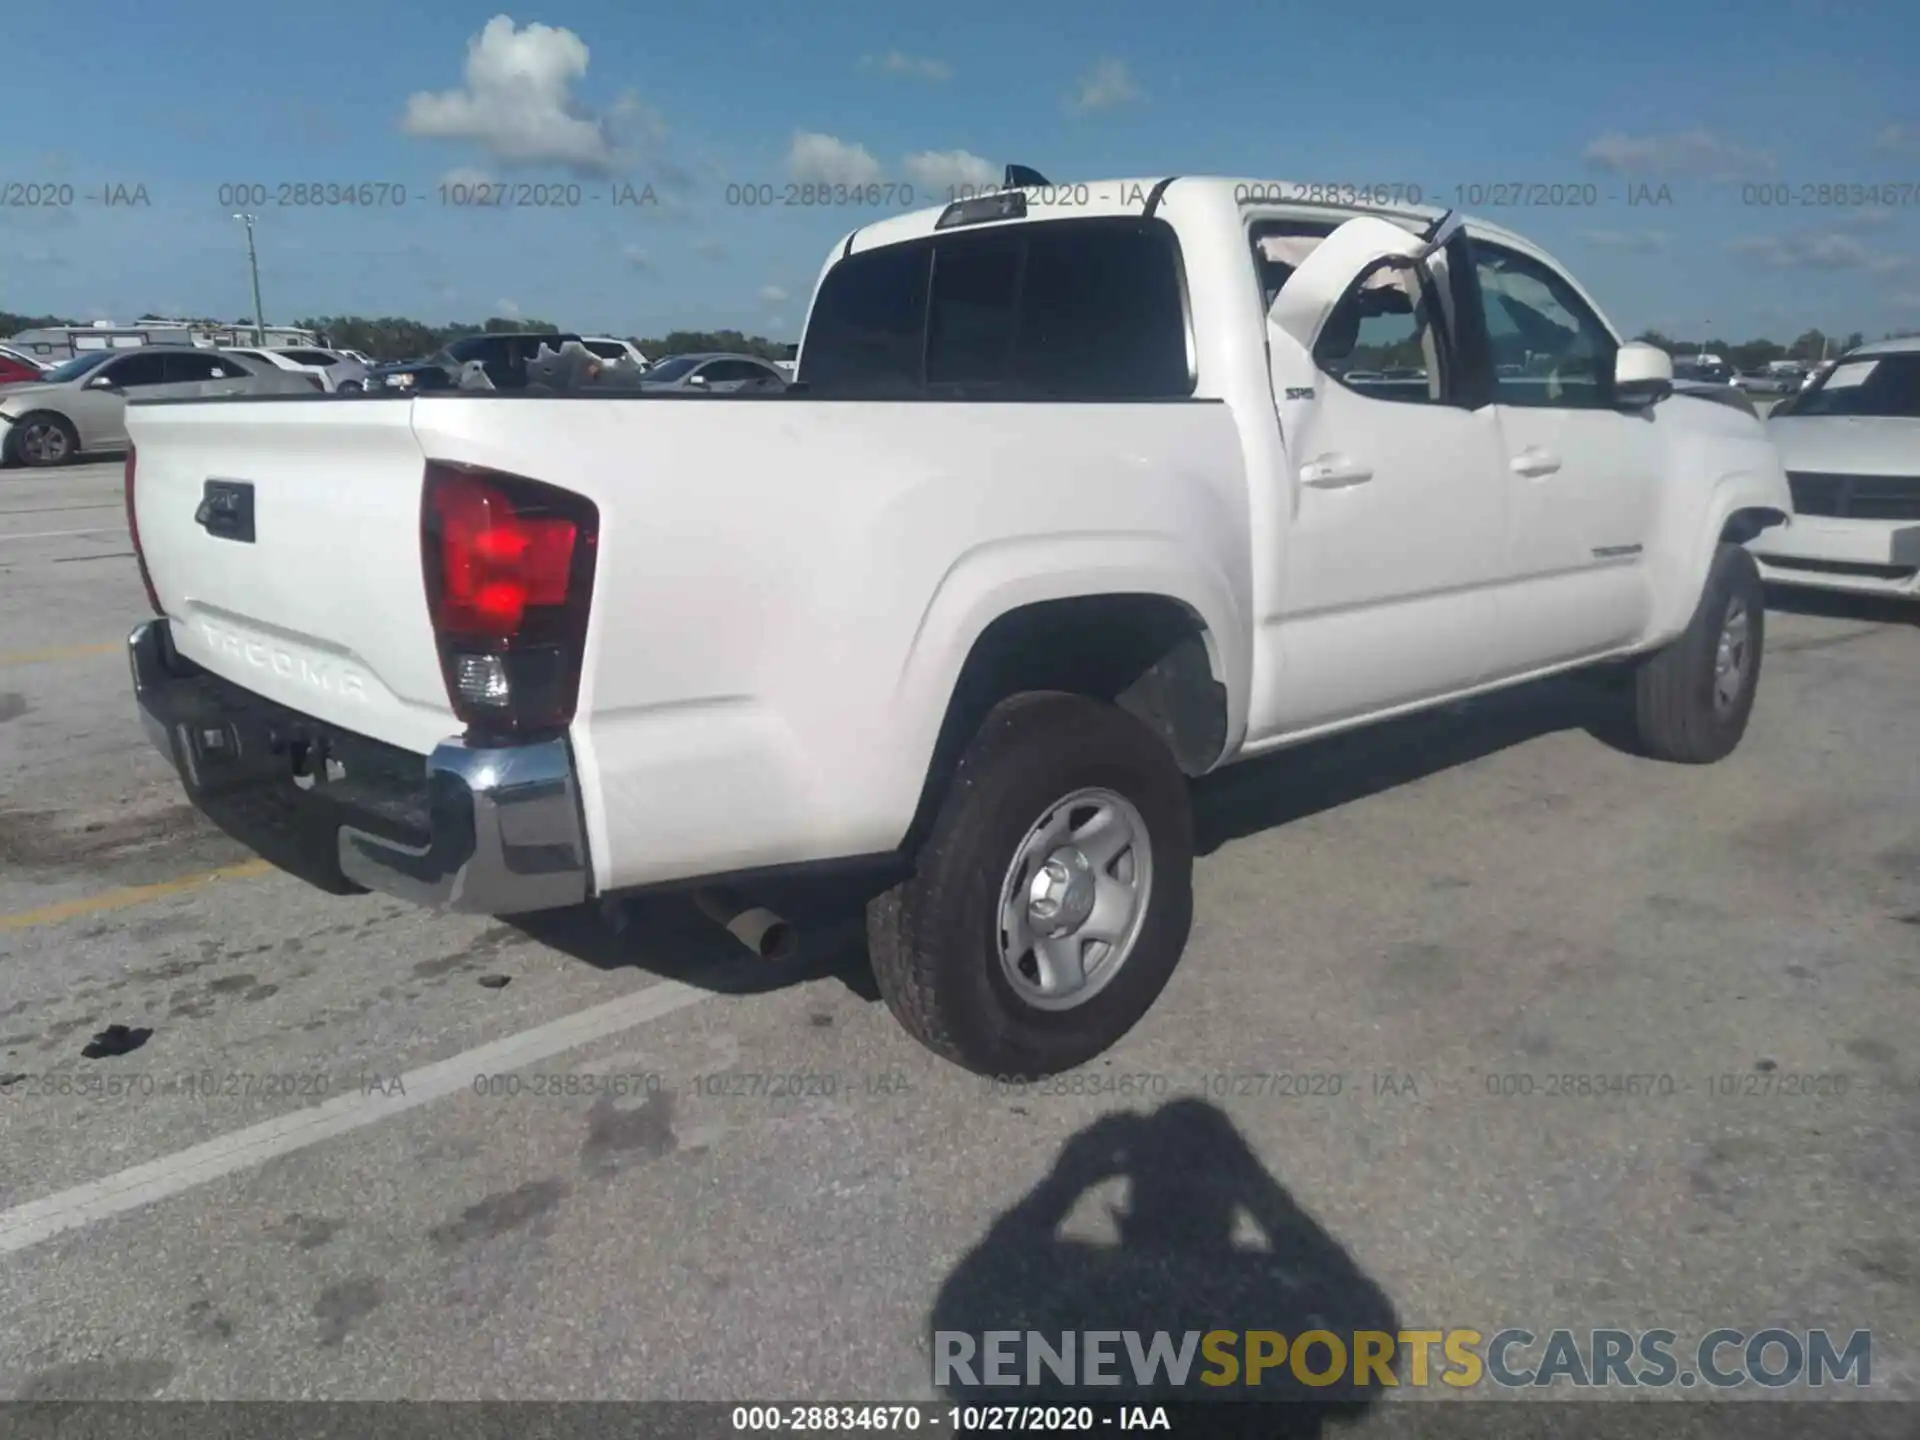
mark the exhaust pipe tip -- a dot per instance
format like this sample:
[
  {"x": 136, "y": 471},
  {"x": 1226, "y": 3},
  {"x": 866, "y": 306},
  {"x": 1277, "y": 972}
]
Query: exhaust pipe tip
[{"x": 766, "y": 934}]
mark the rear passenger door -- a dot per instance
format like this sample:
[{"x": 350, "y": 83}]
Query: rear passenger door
[
  {"x": 208, "y": 376},
  {"x": 1394, "y": 485},
  {"x": 725, "y": 376}
]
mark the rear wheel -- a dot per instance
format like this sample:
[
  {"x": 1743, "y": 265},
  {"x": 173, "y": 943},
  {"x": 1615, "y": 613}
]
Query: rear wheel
[
  {"x": 1053, "y": 896},
  {"x": 1691, "y": 700},
  {"x": 41, "y": 438}
]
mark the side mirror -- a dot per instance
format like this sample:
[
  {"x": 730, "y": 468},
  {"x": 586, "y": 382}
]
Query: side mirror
[
  {"x": 101, "y": 382},
  {"x": 696, "y": 379},
  {"x": 1642, "y": 375}
]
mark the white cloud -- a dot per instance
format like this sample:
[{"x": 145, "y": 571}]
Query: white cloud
[
  {"x": 1873, "y": 218},
  {"x": 509, "y": 309},
  {"x": 1109, "y": 84},
  {"x": 775, "y": 322},
  {"x": 467, "y": 175},
  {"x": 710, "y": 250},
  {"x": 1898, "y": 140},
  {"x": 814, "y": 159},
  {"x": 772, "y": 295},
  {"x": 1692, "y": 152},
  {"x": 939, "y": 170},
  {"x": 1817, "y": 250},
  {"x": 636, "y": 257},
  {"x": 518, "y": 103},
  {"x": 1643, "y": 242},
  {"x": 919, "y": 67}
]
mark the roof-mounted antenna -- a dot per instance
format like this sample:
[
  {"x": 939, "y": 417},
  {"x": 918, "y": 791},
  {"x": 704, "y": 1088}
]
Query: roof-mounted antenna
[{"x": 1019, "y": 177}]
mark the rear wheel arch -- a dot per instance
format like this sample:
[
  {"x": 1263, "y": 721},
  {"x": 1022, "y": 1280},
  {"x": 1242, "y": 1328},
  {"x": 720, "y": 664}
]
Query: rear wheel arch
[{"x": 1151, "y": 655}]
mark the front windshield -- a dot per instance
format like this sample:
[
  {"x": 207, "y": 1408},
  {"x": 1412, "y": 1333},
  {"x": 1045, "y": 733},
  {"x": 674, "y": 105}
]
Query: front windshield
[
  {"x": 80, "y": 364},
  {"x": 1885, "y": 386},
  {"x": 672, "y": 369}
]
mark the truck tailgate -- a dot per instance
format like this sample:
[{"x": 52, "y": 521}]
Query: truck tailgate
[{"x": 324, "y": 608}]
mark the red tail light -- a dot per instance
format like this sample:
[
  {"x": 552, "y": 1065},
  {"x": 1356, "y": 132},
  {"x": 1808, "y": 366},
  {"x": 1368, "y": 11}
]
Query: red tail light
[
  {"x": 133, "y": 531},
  {"x": 509, "y": 571}
]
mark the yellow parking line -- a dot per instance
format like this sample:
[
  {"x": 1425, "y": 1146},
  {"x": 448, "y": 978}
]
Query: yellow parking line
[
  {"x": 133, "y": 895},
  {"x": 64, "y": 652}
]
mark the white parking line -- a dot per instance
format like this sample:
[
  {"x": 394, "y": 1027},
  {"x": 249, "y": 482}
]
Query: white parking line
[
  {"x": 51, "y": 534},
  {"x": 140, "y": 1185}
]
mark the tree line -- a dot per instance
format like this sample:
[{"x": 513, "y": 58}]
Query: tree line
[
  {"x": 1812, "y": 346},
  {"x": 394, "y": 338}
]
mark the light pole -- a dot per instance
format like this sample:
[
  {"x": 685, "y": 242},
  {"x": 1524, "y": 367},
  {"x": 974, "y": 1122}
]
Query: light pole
[{"x": 253, "y": 264}]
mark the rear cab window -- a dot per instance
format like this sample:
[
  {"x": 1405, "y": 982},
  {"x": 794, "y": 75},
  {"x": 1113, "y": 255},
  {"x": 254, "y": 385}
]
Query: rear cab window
[{"x": 1091, "y": 309}]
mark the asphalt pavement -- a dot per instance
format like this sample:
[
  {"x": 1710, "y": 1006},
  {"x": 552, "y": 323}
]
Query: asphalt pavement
[{"x": 354, "y": 1150}]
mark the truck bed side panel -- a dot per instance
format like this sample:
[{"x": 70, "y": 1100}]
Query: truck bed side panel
[{"x": 786, "y": 590}]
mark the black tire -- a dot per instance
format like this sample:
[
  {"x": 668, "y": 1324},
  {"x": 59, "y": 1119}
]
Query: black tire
[
  {"x": 16, "y": 455},
  {"x": 1675, "y": 715},
  {"x": 934, "y": 938}
]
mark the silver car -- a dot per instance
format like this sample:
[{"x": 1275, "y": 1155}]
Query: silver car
[
  {"x": 81, "y": 405},
  {"x": 713, "y": 374},
  {"x": 335, "y": 371}
]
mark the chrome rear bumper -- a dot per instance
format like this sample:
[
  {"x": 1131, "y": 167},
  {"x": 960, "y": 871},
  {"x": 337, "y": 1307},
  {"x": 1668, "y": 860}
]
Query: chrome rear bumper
[{"x": 493, "y": 831}]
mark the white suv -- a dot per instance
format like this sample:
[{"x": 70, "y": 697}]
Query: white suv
[{"x": 1851, "y": 446}]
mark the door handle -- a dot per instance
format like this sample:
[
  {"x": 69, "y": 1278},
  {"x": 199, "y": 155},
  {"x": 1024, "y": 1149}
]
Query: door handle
[
  {"x": 1334, "y": 472},
  {"x": 1533, "y": 462}
]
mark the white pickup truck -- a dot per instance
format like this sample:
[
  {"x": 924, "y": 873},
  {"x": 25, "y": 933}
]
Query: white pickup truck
[{"x": 1082, "y": 492}]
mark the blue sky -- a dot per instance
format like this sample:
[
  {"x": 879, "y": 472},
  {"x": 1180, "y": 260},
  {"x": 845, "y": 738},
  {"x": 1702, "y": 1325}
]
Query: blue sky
[{"x": 185, "y": 97}]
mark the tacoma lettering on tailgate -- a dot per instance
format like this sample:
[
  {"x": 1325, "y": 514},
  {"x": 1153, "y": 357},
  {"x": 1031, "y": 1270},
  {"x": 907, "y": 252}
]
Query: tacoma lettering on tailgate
[{"x": 327, "y": 677}]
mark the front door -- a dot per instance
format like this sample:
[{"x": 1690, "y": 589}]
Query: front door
[
  {"x": 1580, "y": 471},
  {"x": 101, "y": 413}
]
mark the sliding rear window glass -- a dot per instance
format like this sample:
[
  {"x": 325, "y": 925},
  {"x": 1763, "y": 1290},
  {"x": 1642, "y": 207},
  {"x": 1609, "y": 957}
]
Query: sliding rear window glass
[{"x": 1070, "y": 309}]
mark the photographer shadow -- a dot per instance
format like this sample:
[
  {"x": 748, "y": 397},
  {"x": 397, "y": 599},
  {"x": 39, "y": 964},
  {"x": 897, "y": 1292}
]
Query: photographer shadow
[{"x": 1193, "y": 1185}]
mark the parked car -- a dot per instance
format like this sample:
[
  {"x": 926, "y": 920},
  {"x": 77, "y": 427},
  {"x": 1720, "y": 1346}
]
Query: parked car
[
  {"x": 23, "y": 363},
  {"x": 16, "y": 371},
  {"x": 1851, "y": 447},
  {"x": 80, "y": 405},
  {"x": 1763, "y": 382},
  {"x": 503, "y": 357},
  {"x": 1056, "y": 518},
  {"x": 715, "y": 374},
  {"x": 608, "y": 348},
  {"x": 1705, "y": 372},
  {"x": 330, "y": 370}
]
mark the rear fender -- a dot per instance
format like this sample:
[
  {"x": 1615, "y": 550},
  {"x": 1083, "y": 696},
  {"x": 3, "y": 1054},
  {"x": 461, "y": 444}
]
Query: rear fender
[{"x": 1001, "y": 576}]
